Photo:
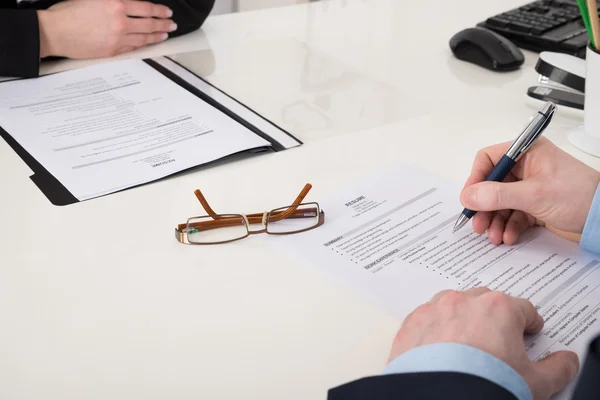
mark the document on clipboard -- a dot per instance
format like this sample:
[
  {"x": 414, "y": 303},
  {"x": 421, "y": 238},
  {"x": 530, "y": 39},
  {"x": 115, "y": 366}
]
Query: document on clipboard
[{"x": 101, "y": 129}]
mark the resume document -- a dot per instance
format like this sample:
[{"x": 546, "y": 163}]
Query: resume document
[
  {"x": 391, "y": 240},
  {"x": 112, "y": 126}
]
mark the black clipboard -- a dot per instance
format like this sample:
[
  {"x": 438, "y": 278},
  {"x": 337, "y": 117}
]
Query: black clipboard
[
  {"x": 59, "y": 195},
  {"x": 44, "y": 180}
]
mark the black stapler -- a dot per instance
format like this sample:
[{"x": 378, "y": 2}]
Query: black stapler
[{"x": 561, "y": 80}]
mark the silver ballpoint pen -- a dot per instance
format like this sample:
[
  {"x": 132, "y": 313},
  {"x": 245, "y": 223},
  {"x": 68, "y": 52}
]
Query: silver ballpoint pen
[{"x": 532, "y": 131}]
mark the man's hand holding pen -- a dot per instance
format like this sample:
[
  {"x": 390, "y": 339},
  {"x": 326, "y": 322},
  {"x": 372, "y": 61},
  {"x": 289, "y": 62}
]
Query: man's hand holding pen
[{"x": 546, "y": 187}]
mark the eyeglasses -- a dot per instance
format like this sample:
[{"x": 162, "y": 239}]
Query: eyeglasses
[{"x": 224, "y": 228}]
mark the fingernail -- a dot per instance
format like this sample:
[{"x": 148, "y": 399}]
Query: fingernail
[
  {"x": 163, "y": 37},
  {"x": 172, "y": 27},
  {"x": 169, "y": 13},
  {"x": 576, "y": 366}
]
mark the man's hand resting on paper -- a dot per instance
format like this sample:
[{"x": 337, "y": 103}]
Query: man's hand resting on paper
[
  {"x": 493, "y": 322},
  {"x": 101, "y": 28},
  {"x": 546, "y": 187}
]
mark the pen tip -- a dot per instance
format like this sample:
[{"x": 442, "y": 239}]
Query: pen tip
[{"x": 460, "y": 222}]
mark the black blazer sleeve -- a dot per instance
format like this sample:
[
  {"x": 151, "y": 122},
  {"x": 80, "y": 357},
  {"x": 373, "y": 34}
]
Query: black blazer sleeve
[
  {"x": 189, "y": 15},
  {"x": 421, "y": 386},
  {"x": 19, "y": 41},
  {"x": 587, "y": 386}
]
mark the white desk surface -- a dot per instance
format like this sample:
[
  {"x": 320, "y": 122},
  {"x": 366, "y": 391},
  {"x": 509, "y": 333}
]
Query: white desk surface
[{"x": 98, "y": 300}]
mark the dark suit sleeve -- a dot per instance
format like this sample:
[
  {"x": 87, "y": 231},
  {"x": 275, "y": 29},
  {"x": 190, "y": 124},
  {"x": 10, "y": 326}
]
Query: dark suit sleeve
[
  {"x": 189, "y": 15},
  {"x": 587, "y": 386},
  {"x": 421, "y": 386},
  {"x": 19, "y": 41}
]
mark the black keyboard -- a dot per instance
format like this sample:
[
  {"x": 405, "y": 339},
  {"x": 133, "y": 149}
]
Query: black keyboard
[{"x": 545, "y": 25}]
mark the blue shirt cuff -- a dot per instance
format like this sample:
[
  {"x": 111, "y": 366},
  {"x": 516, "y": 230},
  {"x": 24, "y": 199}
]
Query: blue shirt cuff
[
  {"x": 454, "y": 357},
  {"x": 590, "y": 239}
]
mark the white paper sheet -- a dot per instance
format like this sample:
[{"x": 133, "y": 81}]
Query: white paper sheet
[
  {"x": 390, "y": 239},
  {"x": 112, "y": 126}
]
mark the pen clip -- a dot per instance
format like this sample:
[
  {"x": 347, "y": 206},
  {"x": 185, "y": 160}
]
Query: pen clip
[{"x": 538, "y": 132}]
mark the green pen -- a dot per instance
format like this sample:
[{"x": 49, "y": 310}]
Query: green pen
[{"x": 586, "y": 20}]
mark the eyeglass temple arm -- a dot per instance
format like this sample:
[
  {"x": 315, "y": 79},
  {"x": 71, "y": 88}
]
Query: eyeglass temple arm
[
  {"x": 214, "y": 215},
  {"x": 292, "y": 210},
  {"x": 204, "y": 203},
  {"x": 225, "y": 221}
]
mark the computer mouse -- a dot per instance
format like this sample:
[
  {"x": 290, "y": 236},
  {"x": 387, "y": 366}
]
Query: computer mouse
[{"x": 487, "y": 49}]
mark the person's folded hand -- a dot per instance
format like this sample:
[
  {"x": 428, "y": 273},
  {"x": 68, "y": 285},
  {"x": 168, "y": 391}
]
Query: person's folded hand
[{"x": 102, "y": 28}]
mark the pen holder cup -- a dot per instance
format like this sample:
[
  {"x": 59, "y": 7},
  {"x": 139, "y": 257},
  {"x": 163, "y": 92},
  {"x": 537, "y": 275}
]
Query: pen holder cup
[{"x": 587, "y": 138}]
